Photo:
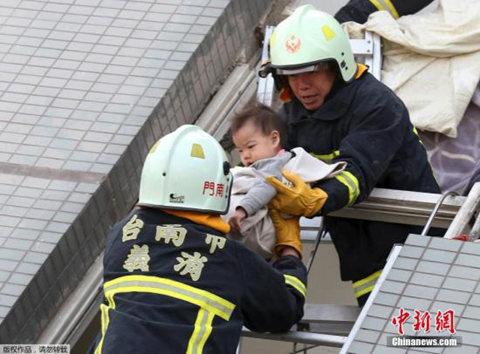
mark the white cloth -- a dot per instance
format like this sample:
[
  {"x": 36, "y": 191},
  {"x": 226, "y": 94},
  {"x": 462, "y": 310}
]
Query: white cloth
[
  {"x": 431, "y": 60},
  {"x": 476, "y": 96},
  {"x": 257, "y": 231}
]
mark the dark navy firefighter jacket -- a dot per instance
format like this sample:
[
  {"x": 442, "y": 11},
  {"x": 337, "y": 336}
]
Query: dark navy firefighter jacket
[
  {"x": 174, "y": 286},
  {"x": 366, "y": 125}
]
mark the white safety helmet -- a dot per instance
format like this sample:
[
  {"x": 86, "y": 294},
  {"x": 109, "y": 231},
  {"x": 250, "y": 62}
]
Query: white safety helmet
[
  {"x": 186, "y": 170},
  {"x": 307, "y": 38}
]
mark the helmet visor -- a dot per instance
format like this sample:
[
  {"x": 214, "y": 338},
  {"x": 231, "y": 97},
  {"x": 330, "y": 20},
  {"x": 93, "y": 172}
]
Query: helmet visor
[{"x": 323, "y": 66}]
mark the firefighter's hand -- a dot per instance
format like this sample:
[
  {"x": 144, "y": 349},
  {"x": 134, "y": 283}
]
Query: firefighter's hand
[
  {"x": 288, "y": 234},
  {"x": 300, "y": 199},
  {"x": 237, "y": 218}
]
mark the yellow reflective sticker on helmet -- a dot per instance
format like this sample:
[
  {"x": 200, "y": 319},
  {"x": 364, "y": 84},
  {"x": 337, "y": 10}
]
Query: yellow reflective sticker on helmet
[
  {"x": 328, "y": 33},
  {"x": 154, "y": 147},
  {"x": 272, "y": 39},
  {"x": 197, "y": 151}
]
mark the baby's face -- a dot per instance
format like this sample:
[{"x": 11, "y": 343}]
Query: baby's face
[{"x": 253, "y": 145}]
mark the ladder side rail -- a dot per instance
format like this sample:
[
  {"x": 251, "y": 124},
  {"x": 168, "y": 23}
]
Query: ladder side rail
[
  {"x": 404, "y": 207},
  {"x": 475, "y": 232},
  {"x": 266, "y": 87},
  {"x": 299, "y": 337},
  {"x": 390, "y": 205},
  {"x": 466, "y": 213},
  {"x": 376, "y": 57}
]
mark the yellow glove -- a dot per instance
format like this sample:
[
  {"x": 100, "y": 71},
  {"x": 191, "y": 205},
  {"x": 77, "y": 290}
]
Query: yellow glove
[
  {"x": 287, "y": 232},
  {"x": 298, "y": 200}
]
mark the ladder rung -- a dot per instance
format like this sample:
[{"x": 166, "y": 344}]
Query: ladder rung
[{"x": 315, "y": 313}]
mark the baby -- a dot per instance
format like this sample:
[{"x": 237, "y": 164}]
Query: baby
[{"x": 257, "y": 133}]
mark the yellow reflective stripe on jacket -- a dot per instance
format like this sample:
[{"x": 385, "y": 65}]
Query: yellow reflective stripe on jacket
[
  {"x": 415, "y": 131},
  {"x": 210, "y": 304},
  {"x": 327, "y": 157},
  {"x": 366, "y": 285},
  {"x": 104, "y": 320},
  {"x": 201, "y": 332},
  {"x": 168, "y": 287},
  {"x": 296, "y": 283},
  {"x": 345, "y": 177},
  {"x": 351, "y": 182},
  {"x": 386, "y": 5}
]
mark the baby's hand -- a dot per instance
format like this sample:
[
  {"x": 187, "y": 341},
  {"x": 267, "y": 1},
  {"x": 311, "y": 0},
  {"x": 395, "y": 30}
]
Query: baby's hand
[{"x": 237, "y": 218}]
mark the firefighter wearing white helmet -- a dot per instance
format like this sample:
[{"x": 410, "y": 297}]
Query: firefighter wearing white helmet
[
  {"x": 308, "y": 38},
  {"x": 186, "y": 170},
  {"x": 337, "y": 111},
  {"x": 173, "y": 282}
]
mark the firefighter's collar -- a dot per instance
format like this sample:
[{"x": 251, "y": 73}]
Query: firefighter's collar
[
  {"x": 213, "y": 221},
  {"x": 361, "y": 69}
]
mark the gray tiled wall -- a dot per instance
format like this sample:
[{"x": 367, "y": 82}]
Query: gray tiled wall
[
  {"x": 86, "y": 87},
  {"x": 430, "y": 274}
]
